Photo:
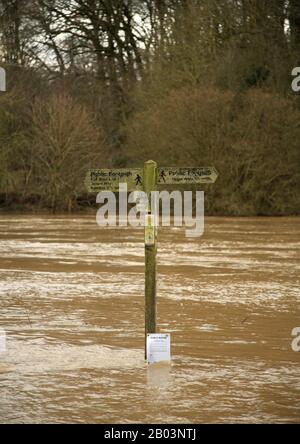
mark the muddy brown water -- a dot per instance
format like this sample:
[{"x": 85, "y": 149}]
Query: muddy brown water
[{"x": 71, "y": 303}]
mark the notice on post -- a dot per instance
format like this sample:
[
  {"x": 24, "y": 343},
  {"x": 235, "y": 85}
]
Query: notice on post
[
  {"x": 158, "y": 347},
  {"x": 2, "y": 341}
]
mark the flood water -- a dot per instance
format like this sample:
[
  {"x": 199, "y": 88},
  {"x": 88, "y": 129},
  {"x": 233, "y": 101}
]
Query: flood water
[{"x": 72, "y": 307}]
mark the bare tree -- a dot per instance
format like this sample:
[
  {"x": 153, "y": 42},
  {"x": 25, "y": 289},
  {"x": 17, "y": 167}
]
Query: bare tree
[
  {"x": 294, "y": 19},
  {"x": 65, "y": 143}
]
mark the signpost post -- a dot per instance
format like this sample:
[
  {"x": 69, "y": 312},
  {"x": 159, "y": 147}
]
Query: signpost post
[
  {"x": 150, "y": 255},
  {"x": 146, "y": 180}
]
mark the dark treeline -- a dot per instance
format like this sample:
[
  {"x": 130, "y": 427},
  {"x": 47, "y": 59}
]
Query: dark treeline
[{"x": 111, "y": 83}]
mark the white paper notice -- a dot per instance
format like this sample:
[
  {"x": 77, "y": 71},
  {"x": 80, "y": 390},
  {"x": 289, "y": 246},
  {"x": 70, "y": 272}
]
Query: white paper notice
[
  {"x": 158, "y": 347},
  {"x": 2, "y": 341},
  {"x": 2, "y": 79}
]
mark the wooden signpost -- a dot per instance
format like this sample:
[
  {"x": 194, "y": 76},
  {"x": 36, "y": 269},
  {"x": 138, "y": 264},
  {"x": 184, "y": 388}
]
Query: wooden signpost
[{"x": 147, "y": 179}]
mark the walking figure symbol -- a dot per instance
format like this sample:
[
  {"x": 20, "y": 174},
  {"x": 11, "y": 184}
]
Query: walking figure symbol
[
  {"x": 138, "y": 180},
  {"x": 163, "y": 175}
]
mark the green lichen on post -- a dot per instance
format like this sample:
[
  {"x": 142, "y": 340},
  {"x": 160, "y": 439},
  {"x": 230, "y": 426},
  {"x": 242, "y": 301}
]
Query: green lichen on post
[{"x": 150, "y": 179}]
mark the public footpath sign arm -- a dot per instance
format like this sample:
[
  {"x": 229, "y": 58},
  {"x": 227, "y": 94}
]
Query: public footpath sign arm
[
  {"x": 184, "y": 176},
  {"x": 147, "y": 179},
  {"x": 109, "y": 179}
]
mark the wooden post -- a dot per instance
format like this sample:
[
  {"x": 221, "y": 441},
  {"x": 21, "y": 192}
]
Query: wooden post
[{"x": 150, "y": 180}]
